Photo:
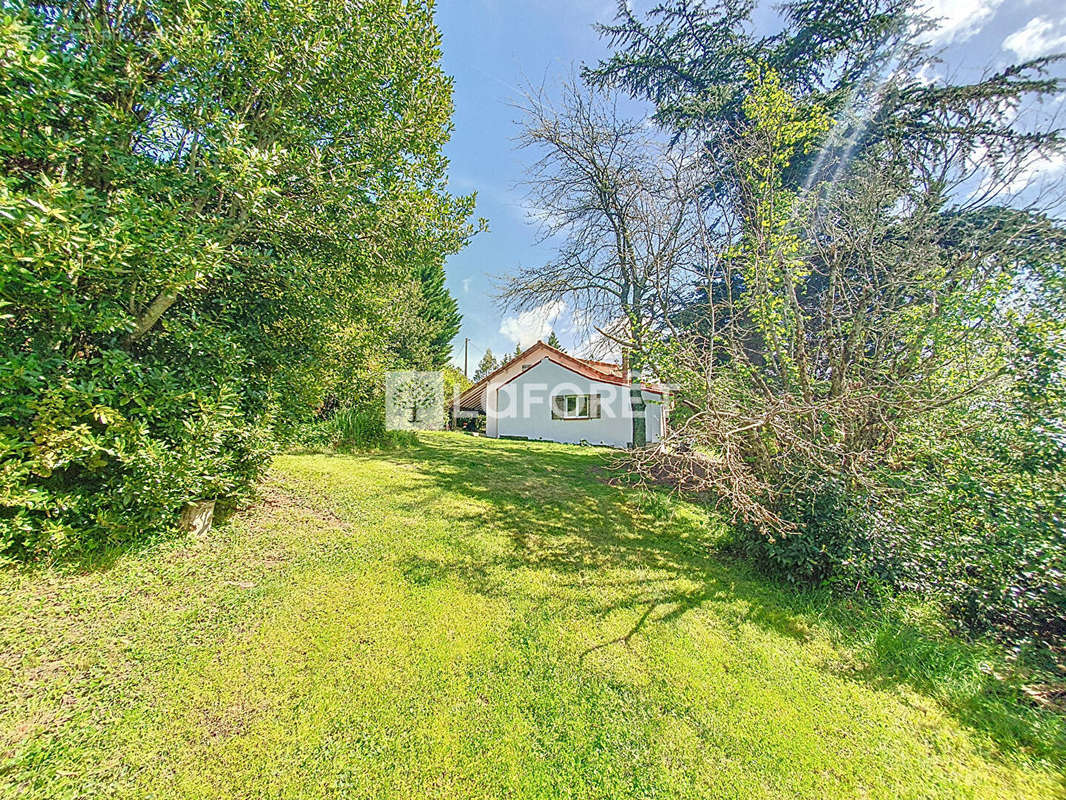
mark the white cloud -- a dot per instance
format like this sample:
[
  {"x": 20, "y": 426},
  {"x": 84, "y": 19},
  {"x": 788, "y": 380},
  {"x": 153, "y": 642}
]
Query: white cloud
[
  {"x": 581, "y": 321},
  {"x": 599, "y": 347},
  {"x": 1039, "y": 37},
  {"x": 1040, "y": 171},
  {"x": 926, "y": 75},
  {"x": 958, "y": 20},
  {"x": 542, "y": 216},
  {"x": 596, "y": 344},
  {"x": 529, "y": 326},
  {"x": 466, "y": 285}
]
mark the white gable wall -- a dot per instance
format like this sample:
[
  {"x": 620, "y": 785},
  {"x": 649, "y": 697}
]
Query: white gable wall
[
  {"x": 511, "y": 369},
  {"x": 522, "y": 407}
]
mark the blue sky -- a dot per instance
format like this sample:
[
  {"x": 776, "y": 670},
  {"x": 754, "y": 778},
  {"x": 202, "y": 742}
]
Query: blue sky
[{"x": 494, "y": 47}]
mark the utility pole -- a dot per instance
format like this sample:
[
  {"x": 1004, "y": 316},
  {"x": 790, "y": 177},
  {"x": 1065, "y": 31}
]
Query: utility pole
[{"x": 466, "y": 357}]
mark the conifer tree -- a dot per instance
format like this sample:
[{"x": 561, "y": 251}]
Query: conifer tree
[
  {"x": 486, "y": 366},
  {"x": 440, "y": 313}
]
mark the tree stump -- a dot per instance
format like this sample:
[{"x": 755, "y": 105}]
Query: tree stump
[{"x": 196, "y": 517}]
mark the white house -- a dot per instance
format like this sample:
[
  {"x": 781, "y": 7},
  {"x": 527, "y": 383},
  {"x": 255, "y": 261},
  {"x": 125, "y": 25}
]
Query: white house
[{"x": 549, "y": 395}]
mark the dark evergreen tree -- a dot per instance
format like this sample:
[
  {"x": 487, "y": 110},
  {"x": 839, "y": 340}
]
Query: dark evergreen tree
[
  {"x": 690, "y": 57},
  {"x": 553, "y": 341},
  {"x": 440, "y": 313}
]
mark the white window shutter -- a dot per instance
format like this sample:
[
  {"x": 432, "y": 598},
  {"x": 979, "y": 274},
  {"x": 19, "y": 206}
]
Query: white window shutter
[{"x": 594, "y": 406}]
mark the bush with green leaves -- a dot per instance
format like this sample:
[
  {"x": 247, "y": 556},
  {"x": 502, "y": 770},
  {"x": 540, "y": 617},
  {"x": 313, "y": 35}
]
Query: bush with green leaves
[
  {"x": 971, "y": 521},
  {"x": 831, "y": 530},
  {"x": 199, "y": 202},
  {"x": 981, "y": 521}
]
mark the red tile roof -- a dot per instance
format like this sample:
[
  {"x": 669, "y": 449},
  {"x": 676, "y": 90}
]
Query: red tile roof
[{"x": 604, "y": 371}]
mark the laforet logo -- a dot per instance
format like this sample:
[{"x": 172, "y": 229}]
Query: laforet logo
[{"x": 414, "y": 401}]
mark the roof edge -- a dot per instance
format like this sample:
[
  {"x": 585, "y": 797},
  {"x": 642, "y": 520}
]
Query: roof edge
[{"x": 583, "y": 364}]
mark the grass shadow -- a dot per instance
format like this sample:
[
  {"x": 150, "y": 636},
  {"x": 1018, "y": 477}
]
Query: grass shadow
[{"x": 558, "y": 508}]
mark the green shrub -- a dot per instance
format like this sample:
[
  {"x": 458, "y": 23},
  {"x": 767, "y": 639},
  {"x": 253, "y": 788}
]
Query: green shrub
[
  {"x": 830, "y": 543},
  {"x": 654, "y": 504},
  {"x": 91, "y": 460},
  {"x": 361, "y": 427},
  {"x": 978, "y": 535},
  {"x": 191, "y": 252},
  {"x": 982, "y": 528}
]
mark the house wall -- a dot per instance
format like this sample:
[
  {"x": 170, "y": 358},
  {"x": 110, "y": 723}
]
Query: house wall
[
  {"x": 514, "y": 367},
  {"x": 522, "y": 407}
]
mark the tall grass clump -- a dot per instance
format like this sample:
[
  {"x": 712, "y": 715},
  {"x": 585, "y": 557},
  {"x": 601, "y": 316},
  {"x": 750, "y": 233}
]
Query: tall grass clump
[{"x": 350, "y": 429}]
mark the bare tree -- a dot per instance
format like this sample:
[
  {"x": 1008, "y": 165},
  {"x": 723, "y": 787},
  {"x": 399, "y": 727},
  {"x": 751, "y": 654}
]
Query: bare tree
[
  {"x": 620, "y": 205},
  {"x": 843, "y": 314}
]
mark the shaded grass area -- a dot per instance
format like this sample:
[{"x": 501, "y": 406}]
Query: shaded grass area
[{"x": 479, "y": 618}]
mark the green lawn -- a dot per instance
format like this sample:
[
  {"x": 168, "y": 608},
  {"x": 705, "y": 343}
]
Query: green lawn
[{"x": 477, "y": 618}]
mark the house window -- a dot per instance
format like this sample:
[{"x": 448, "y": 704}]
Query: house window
[{"x": 576, "y": 406}]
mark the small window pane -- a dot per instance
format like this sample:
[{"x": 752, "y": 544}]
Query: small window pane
[{"x": 577, "y": 406}]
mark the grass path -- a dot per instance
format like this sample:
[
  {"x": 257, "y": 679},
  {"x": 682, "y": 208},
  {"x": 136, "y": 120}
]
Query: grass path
[{"x": 469, "y": 618}]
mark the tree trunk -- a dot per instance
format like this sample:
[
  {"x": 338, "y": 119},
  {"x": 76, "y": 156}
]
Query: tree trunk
[
  {"x": 150, "y": 317},
  {"x": 636, "y": 404}
]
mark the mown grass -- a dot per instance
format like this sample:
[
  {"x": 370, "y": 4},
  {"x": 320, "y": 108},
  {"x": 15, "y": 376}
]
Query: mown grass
[{"x": 478, "y": 618}]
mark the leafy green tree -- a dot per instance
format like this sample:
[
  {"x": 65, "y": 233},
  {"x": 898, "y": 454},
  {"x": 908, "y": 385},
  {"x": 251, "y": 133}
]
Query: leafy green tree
[
  {"x": 553, "y": 341},
  {"x": 421, "y": 318},
  {"x": 509, "y": 357},
  {"x": 197, "y": 199},
  {"x": 455, "y": 382}
]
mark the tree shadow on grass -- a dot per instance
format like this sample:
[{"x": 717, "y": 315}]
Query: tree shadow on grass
[{"x": 555, "y": 505}]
